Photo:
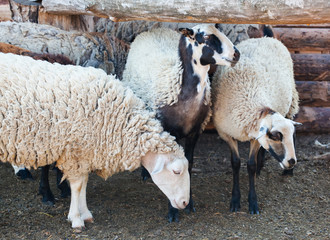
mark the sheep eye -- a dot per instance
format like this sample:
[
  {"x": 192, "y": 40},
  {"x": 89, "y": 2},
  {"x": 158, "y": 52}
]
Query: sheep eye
[
  {"x": 276, "y": 136},
  {"x": 176, "y": 171}
]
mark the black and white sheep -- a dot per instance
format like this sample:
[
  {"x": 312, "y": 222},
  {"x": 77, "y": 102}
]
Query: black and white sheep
[
  {"x": 86, "y": 121},
  {"x": 250, "y": 103},
  {"x": 169, "y": 71}
]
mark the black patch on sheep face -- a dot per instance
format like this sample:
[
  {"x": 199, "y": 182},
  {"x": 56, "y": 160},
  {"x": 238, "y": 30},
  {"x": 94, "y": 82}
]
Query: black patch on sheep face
[
  {"x": 200, "y": 37},
  {"x": 196, "y": 44},
  {"x": 214, "y": 43},
  {"x": 207, "y": 56},
  {"x": 195, "y": 61},
  {"x": 278, "y": 156}
]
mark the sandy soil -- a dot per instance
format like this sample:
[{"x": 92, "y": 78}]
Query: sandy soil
[{"x": 124, "y": 207}]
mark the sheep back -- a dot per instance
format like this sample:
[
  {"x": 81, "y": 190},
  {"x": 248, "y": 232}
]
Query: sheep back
[
  {"x": 263, "y": 77},
  {"x": 153, "y": 69},
  {"x": 80, "y": 117}
]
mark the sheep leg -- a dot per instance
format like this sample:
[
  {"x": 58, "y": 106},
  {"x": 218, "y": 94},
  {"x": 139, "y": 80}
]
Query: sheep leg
[
  {"x": 173, "y": 213},
  {"x": 63, "y": 186},
  {"x": 85, "y": 214},
  {"x": 235, "y": 204},
  {"x": 76, "y": 185},
  {"x": 260, "y": 160},
  {"x": 44, "y": 188},
  {"x": 252, "y": 167},
  {"x": 189, "y": 148}
]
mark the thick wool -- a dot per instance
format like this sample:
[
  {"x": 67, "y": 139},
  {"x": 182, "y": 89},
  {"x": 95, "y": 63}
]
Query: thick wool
[
  {"x": 80, "y": 117},
  {"x": 263, "y": 77},
  {"x": 155, "y": 76}
]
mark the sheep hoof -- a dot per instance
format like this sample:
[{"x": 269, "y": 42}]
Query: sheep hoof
[
  {"x": 253, "y": 208},
  {"x": 77, "y": 224},
  {"x": 89, "y": 220},
  {"x": 77, "y": 229},
  {"x": 287, "y": 172},
  {"x": 173, "y": 215},
  {"x": 24, "y": 174},
  {"x": 190, "y": 207},
  {"x": 235, "y": 206}
]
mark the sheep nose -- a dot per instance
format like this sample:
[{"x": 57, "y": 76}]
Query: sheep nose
[
  {"x": 185, "y": 203},
  {"x": 291, "y": 162},
  {"x": 236, "y": 55}
]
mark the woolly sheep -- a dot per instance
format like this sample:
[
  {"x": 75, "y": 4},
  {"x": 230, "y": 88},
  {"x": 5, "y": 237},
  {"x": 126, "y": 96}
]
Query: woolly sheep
[
  {"x": 250, "y": 103},
  {"x": 86, "y": 121},
  {"x": 169, "y": 71},
  {"x": 20, "y": 171}
]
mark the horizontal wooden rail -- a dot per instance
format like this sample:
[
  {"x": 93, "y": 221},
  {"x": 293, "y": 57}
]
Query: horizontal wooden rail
[
  {"x": 304, "y": 39},
  {"x": 314, "y": 93},
  {"x": 311, "y": 67}
]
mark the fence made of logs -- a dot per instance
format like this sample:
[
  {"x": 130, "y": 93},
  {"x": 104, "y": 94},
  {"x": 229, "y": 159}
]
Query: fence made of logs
[{"x": 309, "y": 46}]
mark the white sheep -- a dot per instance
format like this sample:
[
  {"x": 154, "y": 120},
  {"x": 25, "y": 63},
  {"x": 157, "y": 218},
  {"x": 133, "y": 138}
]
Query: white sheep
[
  {"x": 169, "y": 71},
  {"x": 250, "y": 103},
  {"x": 86, "y": 121}
]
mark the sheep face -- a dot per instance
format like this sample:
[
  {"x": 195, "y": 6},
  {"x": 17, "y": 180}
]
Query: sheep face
[
  {"x": 210, "y": 46},
  {"x": 276, "y": 135},
  {"x": 171, "y": 175}
]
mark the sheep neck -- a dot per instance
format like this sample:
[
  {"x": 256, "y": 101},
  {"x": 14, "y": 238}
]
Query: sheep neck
[{"x": 194, "y": 77}]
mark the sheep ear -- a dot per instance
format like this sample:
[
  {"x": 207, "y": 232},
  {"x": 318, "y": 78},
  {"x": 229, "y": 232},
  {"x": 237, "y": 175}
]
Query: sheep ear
[
  {"x": 262, "y": 132},
  {"x": 186, "y": 32},
  {"x": 159, "y": 165},
  {"x": 296, "y": 123}
]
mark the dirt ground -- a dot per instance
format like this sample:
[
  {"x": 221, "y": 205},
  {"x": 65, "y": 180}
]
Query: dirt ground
[{"x": 124, "y": 207}]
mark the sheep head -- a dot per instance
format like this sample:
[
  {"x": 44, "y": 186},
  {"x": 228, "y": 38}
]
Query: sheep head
[
  {"x": 276, "y": 135},
  {"x": 210, "y": 46},
  {"x": 171, "y": 175}
]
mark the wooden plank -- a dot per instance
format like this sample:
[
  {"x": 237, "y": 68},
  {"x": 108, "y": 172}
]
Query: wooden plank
[
  {"x": 311, "y": 67},
  {"x": 314, "y": 120},
  {"x": 314, "y": 93},
  {"x": 304, "y": 39},
  {"x": 221, "y": 11},
  {"x": 5, "y": 13},
  {"x": 320, "y": 25}
]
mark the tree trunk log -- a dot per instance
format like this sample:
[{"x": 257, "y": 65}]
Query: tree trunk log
[
  {"x": 311, "y": 67},
  {"x": 5, "y": 13},
  {"x": 314, "y": 93},
  {"x": 304, "y": 39},
  {"x": 222, "y": 11},
  {"x": 314, "y": 120}
]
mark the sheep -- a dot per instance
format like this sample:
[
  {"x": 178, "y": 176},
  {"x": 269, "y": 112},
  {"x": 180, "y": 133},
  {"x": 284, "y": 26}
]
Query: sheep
[
  {"x": 250, "y": 103},
  {"x": 86, "y": 121},
  {"x": 168, "y": 70},
  {"x": 21, "y": 171}
]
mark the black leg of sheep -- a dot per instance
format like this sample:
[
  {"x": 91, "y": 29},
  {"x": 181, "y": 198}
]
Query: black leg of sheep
[
  {"x": 63, "y": 186},
  {"x": 44, "y": 188},
  {"x": 252, "y": 168},
  {"x": 235, "y": 204}
]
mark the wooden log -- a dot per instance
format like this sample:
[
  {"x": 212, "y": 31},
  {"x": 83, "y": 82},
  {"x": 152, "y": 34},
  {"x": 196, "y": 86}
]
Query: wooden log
[
  {"x": 23, "y": 13},
  {"x": 314, "y": 93},
  {"x": 222, "y": 11},
  {"x": 5, "y": 13},
  {"x": 311, "y": 67},
  {"x": 314, "y": 120},
  {"x": 304, "y": 39},
  {"x": 67, "y": 22},
  {"x": 8, "y": 48}
]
